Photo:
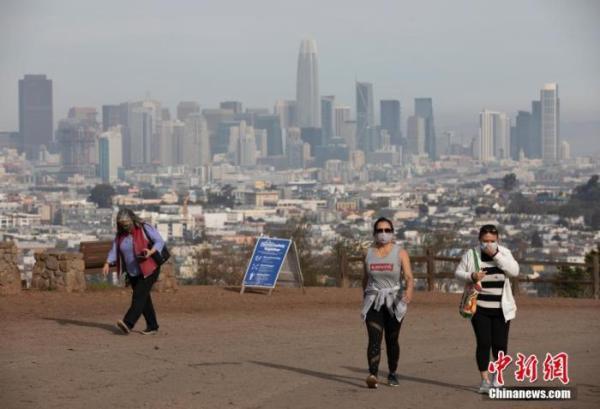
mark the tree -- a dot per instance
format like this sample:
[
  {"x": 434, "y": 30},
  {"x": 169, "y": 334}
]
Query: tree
[
  {"x": 510, "y": 182},
  {"x": 583, "y": 202},
  {"x": 102, "y": 195},
  {"x": 588, "y": 192},
  {"x": 300, "y": 231},
  {"x": 222, "y": 198},
  {"x": 536, "y": 240},
  {"x": 572, "y": 288}
]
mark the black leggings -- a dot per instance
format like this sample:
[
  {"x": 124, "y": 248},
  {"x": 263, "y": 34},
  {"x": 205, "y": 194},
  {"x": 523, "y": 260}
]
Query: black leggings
[
  {"x": 491, "y": 332},
  {"x": 141, "y": 301},
  {"x": 378, "y": 322}
]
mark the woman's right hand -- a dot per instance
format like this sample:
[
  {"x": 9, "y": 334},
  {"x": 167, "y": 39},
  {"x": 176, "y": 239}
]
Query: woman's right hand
[
  {"x": 105, "y": 270},
  {"x": 478, "y": 276}
]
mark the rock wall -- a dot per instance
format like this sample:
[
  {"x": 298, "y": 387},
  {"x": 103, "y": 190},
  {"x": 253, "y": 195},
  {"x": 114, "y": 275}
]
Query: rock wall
[
  {"x": 10, "y": 276},
  {"x": 58, "y": 271},
  {"x": 166, "y": 280}
]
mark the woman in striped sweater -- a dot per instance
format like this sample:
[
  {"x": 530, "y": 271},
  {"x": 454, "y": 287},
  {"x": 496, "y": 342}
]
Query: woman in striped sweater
[{"x": 495, "y": 303}]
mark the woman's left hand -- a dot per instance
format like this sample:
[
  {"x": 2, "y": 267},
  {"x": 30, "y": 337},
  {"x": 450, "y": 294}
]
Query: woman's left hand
[
  {"x": 407, "y": 297},
  {"x": 147, "y": 253}
]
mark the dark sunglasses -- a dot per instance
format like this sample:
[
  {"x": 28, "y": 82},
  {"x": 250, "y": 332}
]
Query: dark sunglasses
[{"x": 383, "y": 230}]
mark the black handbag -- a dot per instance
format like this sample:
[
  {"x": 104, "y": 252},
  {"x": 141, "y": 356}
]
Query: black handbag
[{"x": 159, "y": 257}]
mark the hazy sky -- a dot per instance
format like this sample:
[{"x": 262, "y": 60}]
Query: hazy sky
[{"x": 467, "y": 55}]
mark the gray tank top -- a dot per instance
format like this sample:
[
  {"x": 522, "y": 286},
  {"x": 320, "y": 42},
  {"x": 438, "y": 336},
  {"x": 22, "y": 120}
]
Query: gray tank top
[{"x": 384, "y": 272}]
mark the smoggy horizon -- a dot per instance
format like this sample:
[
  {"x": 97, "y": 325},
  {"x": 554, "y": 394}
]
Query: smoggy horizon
[{"x": 467, "y": 56}]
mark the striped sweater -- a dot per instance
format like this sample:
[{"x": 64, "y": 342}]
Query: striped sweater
[{"x": 492, "y": 284}]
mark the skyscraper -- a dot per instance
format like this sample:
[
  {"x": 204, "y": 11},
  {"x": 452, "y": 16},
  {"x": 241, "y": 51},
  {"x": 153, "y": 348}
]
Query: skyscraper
[
  {"x": 494, "y": 135},
  {"x": 235, "y": 106},
  {"x": 287, "y": 112},
  {"x": 313, "y": 137},
  {"x": 141, "y": 129},
  {"x": 274, "y": 134},
  {"x": 365, "y": 117},
  {"x": 35, "y": 113},
  {"x": 424, "y": 109},
  {"x": 246, "y": 150},
  {"x": 298, "y": 151},
  {"x": 328, "y": 117},
  {"x": 307, "y": 86},
  {"x": 391, "y": 120},
  {"x": 77, "y": 141},
  {"x": 523, "y": 136},
  {"x": 536, "y": 129},
  {"x": 416, "y": 135},
  {"x": 564, "y": 151},
  {"x": 185, "y": 108},
  {"x": 84, "y": 115},
  {"x": 111, "y": 116},
  {"x": 222, "y": 140},
  {"x": 260, "y": 136},
  {"x": 167, "y": 143},
  {"x": 196, "y": 141},
  {"x": 550, "y": 124},
  {"x": 341, "y": 114},
  {"x": 110, "y": 154}
]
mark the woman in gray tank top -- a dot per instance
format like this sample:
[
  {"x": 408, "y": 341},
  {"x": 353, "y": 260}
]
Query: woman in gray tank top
[{"x": 384, "y": 303}]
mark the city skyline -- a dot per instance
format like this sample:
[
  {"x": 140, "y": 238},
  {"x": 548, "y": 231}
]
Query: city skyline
[{"x": 380, "y": 56}]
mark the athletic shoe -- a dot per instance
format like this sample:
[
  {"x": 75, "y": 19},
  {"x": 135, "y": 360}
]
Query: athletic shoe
[
  {"x": 372, "y": 381},
  {"x": 494, "y": 382},
  {"x": 149, "y": 331},
  {"x": 123, "y": 327},
  {"x": 393, "y": 379},
  {"x": 485, "y": 386}
]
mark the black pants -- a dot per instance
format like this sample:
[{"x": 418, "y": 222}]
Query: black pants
[
  {"x": 491, "y": 332},
  {"x": 378, "y": 323},
  {"x": 141, "y": 301}
]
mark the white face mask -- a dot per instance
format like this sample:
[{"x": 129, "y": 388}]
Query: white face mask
[
  {"x": 384, "y": 238},
  {"x": 493, "y": 246}
]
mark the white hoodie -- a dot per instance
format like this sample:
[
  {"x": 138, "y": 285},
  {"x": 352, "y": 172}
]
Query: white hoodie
[{"x": 506, "y": 262}]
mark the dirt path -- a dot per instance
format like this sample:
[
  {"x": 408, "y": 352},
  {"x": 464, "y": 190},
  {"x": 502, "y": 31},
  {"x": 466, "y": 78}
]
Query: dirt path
[{"x": 218, "y": 349}]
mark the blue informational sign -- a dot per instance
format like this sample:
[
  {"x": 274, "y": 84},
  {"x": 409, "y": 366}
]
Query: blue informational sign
[{"x": 267, "y": 258}]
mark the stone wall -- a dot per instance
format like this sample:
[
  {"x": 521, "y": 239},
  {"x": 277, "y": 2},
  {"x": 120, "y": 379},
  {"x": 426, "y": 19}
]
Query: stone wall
[
  {"x": 58, "y": 271},
  {"x": 166, "y": 280},
  {"x": 10, "y": 276}
]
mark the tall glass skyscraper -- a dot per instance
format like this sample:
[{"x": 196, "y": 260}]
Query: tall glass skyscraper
[
  {"x": 328, "y": 117},
  {"x": 35, "y": 113},
  {"x": 110, "y": 155},
  {"x": 365, "y": 117},
  {"x": 307, "y": 86},
  {"x": 550, "y": 124},
  {"x": 271, "y": 124},
  {"x": 424, "y": 109},
  {"x": 536, "y": 129},
  {"x": 390, "y": 120},
  {"x": 523, "y": 140},
  {"x": 494, "y": 136}
]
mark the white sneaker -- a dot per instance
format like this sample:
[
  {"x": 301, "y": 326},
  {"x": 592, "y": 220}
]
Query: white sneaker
[
  {"x": 485, "y": 386},
  {"x": 494, "y": 382}
]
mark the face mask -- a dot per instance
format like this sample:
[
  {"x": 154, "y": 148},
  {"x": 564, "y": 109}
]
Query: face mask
[
  {"x": 384, "y": 238},
  {"x": 492, "y": 246},
  {"x": 125, "y": 224}
]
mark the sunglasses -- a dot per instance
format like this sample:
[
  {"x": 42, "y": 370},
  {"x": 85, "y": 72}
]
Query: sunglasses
[{"x": 383, "y": 231}]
